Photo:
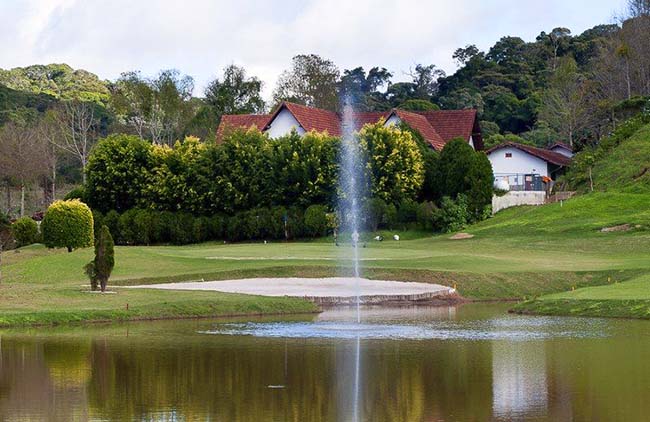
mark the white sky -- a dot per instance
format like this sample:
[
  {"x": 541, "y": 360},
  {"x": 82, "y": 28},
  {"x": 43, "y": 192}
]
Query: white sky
[{"x": 200, "y": 37}]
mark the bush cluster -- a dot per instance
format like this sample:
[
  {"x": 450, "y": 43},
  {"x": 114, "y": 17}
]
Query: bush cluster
[{"x": 25, "y": 231}]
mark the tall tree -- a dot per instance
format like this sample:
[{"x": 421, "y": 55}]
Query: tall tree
[
  {"x": 78, "y": 126},
  {"x": 235, "y": 93},
  {"x": 21, "y": 156},
  {"x": 565, "y": 101},
  {"x": 157, "y": 109},
  {"x": 364, "y": 89},
  {"x": 425, "y": 80},
  {"x": 311, "y": 81}
]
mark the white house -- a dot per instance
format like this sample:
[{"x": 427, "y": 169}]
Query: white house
[
  {"x": 436, "y": 127},
  {"x": 562, "y": 148},
  {"x": 524, "y": 167}
]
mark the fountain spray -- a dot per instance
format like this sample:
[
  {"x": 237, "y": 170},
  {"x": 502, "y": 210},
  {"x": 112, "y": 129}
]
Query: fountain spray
[{"x": 352, "y": 185}]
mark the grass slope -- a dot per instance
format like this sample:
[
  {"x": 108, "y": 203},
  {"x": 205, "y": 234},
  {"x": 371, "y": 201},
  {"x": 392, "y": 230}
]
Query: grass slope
[{"x": 627, "y": 167}]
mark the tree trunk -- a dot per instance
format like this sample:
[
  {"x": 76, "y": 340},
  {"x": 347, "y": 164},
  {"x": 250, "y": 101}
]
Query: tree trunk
[
  {"x": 22, "y": 200},
  {"x": 0, "y": 260},
  {"x": 69, "y": 249},
  {"x": 102, "y": 284},
  {"x": 8, "y": 199},
  {"x": 591, "y": 180}
]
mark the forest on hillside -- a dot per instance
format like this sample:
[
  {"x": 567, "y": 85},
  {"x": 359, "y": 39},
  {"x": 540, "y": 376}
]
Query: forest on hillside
[{"x": 561, "y": 86}]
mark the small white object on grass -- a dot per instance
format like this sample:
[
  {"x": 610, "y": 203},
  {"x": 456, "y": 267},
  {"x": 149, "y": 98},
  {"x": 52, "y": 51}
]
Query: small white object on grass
[{"x": 396, "y": 237}]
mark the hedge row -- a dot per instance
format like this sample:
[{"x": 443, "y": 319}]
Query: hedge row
[{"x": 145, "y": 227}]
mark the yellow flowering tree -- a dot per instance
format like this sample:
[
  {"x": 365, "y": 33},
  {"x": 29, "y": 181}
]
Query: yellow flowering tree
[{"x": 395, "y": 165}]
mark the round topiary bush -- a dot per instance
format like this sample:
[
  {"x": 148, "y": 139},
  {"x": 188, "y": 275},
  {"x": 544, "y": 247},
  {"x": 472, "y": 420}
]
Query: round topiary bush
[
  {"x": 68, "y": 224},
  {"x": 316, "y": 221},
  {"x": 25, "y": 231}
]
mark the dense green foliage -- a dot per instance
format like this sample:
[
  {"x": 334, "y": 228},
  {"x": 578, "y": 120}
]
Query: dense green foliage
[
  {"x": 119, "y": 171},
  {"x": 99, "y": 269},
  {"x": 25, "y": 231},
  {"x": 316, "y": 221},
  {"x": 394, "y": 160},
  {"x": 68, "y": 224},
  {"x": 246, "y": 171},
  {"x": 463, "y": 171}
]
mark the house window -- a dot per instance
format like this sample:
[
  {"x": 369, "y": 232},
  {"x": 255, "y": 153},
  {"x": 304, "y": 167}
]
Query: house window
[{"x": 508, "y": 155}]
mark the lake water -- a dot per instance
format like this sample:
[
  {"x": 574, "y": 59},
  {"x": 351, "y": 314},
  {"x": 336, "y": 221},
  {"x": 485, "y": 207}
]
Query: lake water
[{"x": 466, "y": 363}]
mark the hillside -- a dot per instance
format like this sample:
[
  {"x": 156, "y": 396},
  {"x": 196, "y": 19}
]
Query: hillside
[
  {"x": 17, "y": 104},
  {"x": 626, "y": 168},
  {"x": 58, "y": 80},
  {"x": 581, "y": 216}
]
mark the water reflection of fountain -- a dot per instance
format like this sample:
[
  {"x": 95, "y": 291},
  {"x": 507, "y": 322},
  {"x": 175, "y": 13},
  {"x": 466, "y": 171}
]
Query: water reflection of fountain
[{"x": 519, "y": 384}]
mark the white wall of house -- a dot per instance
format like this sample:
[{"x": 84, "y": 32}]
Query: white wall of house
[
  {"x": 471, "y": 142},
  {"x": 511, "y": 160},
  {"x": 393, "y": 120},
  {"x": 283, "y": 123},
  {"x": 563, "y": 151}
]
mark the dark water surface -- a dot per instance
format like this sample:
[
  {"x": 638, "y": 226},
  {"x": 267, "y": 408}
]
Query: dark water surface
[{"x": 465, "y": 363}]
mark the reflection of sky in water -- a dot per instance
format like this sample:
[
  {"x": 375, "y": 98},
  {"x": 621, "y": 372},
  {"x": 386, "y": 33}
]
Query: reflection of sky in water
[{"x": 417, "y": 325}]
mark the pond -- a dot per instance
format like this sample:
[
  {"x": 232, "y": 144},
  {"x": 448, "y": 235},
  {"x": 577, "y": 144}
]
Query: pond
[{"x": 470, "y": 362}]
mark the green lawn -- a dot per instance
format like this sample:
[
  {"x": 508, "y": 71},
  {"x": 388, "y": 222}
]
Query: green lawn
[
  {"x": 519, "y": 254},
  {"x": 630, "y": 299}
]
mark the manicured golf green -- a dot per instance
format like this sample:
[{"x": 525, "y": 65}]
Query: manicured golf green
[{"x": 521, "y": 253}]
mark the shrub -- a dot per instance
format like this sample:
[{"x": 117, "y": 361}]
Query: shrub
[
  {"x": 6, "y": 234},
  {"x": 425, "y": 215},
  {"x": 25, "y": 231},
  {"x": 277, "y": 222},
  {"x": 234, "y": 228},
  {"x": 295, "y": 223},
  {"x": 112, "y": 220},
  {"x": 76, "y": 193},
  {"x": 407, "y": 212},
  {"x": 389, "y": 219},
  {"x": 316, "y": 221},
  {"x": 98, "y": 221},
  {"x": 68, "y": 224},
  {"x": 453, "y": 215},
  {"x": 456, "y": 161},
  {"x": 216, "y": 227},
  {"x": 374, "y": 212},
  {"x": 183, "y": 231},
  {"x": 481, "y": 187},
  {"x": 99, "y": 269}
]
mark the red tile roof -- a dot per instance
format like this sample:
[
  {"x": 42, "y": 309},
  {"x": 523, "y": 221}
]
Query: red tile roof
[
  {"x": 419, "y": 123},
  {"x": 546, "y": 155},
  {"x": 311, "y": 118},
  {"x": 234, "y": 121},
  {"x": 451, "y": 124},
  {"x": 437, "y": 127}
]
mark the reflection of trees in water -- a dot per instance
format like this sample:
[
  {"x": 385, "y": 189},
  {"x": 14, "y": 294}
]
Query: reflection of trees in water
[
  {"x": 41, "y": 382},
  {"x": 427, "y": 381},
  {"x": 226, "y": 378},
  {"x": 226, "y": 383}
]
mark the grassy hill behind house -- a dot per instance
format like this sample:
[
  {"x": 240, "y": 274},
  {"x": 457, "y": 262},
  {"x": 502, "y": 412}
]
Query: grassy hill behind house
[{"x": 626, "y": 168}]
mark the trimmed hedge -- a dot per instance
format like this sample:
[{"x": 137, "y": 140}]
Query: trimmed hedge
[{"x": 68, "y": 224}]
